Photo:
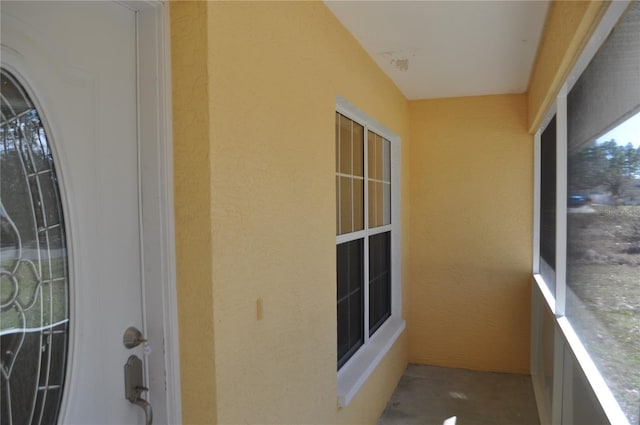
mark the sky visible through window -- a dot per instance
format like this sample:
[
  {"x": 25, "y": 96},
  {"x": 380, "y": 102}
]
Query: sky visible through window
[{"x": 627, "y": 131}]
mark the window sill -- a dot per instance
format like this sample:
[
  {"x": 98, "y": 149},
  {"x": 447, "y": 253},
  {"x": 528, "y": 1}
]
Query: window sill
[
  {"x": 357, "y": 370},
  {"x": 545, "y": 292}
]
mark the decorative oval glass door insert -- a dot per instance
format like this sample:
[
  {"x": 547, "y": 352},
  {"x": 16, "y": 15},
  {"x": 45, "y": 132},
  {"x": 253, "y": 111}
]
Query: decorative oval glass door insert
[{"x": 34, "y": 281}]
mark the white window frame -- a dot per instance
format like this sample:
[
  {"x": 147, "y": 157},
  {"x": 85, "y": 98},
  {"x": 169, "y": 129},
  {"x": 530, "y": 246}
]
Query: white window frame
[
  {"x": 354, "y": 373},
  {"x": 565, "y": 336}
]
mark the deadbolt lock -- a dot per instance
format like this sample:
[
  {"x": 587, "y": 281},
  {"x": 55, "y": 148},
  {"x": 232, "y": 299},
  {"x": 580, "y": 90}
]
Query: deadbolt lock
[{"x": 133, "y": 337}]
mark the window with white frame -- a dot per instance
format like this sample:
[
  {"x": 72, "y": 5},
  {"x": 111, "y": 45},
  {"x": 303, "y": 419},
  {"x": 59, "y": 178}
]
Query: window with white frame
[
  {"x": 363, "y": 251},
  {"x": 589, "y": 253},
  {"x": 368, "y": 246}
]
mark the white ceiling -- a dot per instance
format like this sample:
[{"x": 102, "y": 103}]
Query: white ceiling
[{"x": 448, "y": 48}]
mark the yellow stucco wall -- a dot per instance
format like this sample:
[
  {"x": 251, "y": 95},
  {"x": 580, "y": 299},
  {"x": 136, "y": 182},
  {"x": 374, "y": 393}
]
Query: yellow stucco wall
[
  {"x": 471, "y": 220},
  {"x": 254, "y": 88},
  {"x": 271, "y": 77},
  {"x": 192, "y": 197},
  {"x": 568, "y": 26}
]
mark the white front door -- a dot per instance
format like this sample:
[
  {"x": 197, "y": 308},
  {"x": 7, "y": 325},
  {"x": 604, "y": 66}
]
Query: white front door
[{"x": 78, "y": 64}]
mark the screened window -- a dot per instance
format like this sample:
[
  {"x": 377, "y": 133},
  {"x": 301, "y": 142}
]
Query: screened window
[
  {"x": 363, "y": 243},
  {"x": 603, "y": 211},
  {"x": 596, "y": 278}
]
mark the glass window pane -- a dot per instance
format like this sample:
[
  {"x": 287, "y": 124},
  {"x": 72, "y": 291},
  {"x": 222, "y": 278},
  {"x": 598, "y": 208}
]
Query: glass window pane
[
  {"x": 373, "y": 222},
  {"x": 343, "y": 264},
  {"x": 386, "y": 160},
  {"x": 379, "y": 178},
  {"x": 378, "y": 159},
  {"x": 379, "y": 203},
  {"x": 548, "y": 205},
  {"x": 603, "y": 219},
  {"x": 346, "y": 209},
  {"x": 547, "y": 341},
  {"x": 579, "y": 403},
  {"x": 356, "y": 320},
  {"x": 358, "y": 150},
  {"x": 356, "y": 265},
  {"x": 345, "y": 145},
  {"x": 349, "y": 188},
  {"x": 337, "y": 142},
  {"x": 371, "y": 155},
  {"x": 338, "y": 206},
  {"x": 358, "y": 204},
  {"x": 343, "y": 327},
  {"x": 350, "y": 298},
  {"x": 386, "y": 203},
  {"x": 379, "y": 280}
]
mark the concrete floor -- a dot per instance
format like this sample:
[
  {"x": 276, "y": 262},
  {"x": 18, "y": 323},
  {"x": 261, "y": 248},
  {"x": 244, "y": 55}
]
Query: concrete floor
[{"x": 428, "y": 395}]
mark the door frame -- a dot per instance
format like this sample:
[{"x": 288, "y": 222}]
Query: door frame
[{"x": 156, "y": 199}]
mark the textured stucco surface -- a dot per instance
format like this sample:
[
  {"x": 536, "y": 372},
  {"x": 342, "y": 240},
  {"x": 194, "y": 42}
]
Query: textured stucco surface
[
  {"x": 568, "y": 27},
  {"x": 192, "y": 197},
  {"x": 255, "y": 193},
  {"x": 471, "y": 192}
]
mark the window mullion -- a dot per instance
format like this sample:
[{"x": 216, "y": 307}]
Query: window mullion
[
  {"x": 338, "y": 170},
  {"x": 375, "y": 187},
  {"x": 536, "y": 201},
  {"x": 366, "y": 237},
  {"x": 561, "y": 204}
]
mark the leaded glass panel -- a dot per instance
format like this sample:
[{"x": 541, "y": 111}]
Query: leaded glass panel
[{"x": 34, "y": 281}]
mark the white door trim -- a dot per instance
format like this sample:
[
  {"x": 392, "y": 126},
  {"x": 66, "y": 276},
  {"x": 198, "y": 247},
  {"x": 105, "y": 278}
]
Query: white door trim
[{"x": 157, "y": 218}]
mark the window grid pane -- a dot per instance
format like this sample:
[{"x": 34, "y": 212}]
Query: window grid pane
[
  {"x": 346, "y": 210},
  {"x": 350, "y": 175},
  {"x": 345, "y": 146},
  {"x": 379, "y": 280},
  {"x": 350, "y": 298},
  {"x": 379, "y": 180}
]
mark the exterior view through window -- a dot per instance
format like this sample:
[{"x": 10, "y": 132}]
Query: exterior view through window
[
  {"x": 603, "y": 211},
  {"x": 363, "y": 252}
]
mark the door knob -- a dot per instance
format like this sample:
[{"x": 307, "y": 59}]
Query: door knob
[{"x": 133, "y": 337}]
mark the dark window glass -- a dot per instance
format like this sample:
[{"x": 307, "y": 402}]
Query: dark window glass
[
  {"x": 350, "y": 276},
  {"x": 548, "y": 204},
  {"x": 379, "y": 280}
]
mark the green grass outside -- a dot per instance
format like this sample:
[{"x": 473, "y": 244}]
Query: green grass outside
[{"x": 603, "y": 273}]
